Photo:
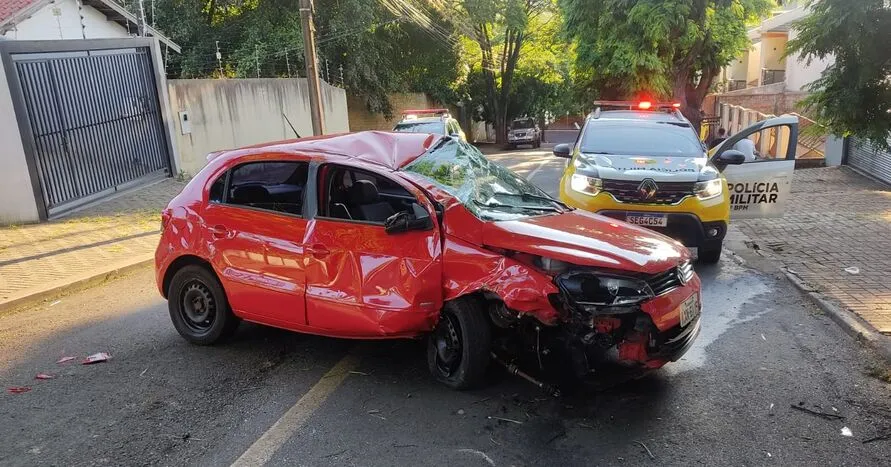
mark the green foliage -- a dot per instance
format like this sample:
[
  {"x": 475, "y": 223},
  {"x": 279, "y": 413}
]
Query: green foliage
[
  {"x": 657, "y": 48},
  {"x": 853, "y": 96}
]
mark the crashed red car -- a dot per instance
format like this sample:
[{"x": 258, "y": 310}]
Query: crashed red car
[{"x": 379, "y": 235}]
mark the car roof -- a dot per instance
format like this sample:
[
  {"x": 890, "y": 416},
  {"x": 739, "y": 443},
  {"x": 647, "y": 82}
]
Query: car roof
[
  {"x": 640, "y": 115},
  {"x": 384, "y": 148}
]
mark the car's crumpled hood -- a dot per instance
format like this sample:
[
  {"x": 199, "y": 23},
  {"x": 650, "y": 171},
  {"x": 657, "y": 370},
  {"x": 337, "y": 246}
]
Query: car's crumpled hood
[
  {"x": 587, "y": 239},
  {"x": 629, "y": 167}
]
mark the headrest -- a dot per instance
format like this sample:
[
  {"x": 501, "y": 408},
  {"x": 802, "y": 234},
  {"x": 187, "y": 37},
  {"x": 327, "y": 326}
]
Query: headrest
[{"x": 364, "y": 192}]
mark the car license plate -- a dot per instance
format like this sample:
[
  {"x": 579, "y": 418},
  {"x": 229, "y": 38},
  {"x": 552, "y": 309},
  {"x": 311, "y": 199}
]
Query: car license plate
[
  {"x": 690, "y": 309},
  {"x": 646, "y": 219}
]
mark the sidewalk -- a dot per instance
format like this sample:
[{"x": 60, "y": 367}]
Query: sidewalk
[
  {"x": 836, "y": 219},
  {"x": 115, "y": 234}
]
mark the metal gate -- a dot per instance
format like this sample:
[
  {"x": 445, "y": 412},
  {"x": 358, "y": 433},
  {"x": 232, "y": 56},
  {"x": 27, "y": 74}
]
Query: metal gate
[
  {"x": 95, "y": 122},
  {"x": 868, "y": 158}
]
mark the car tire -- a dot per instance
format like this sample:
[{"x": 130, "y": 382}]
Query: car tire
[
  {"x": 458, "y": 349},
  {"x": 198, "y": 306},
  {"x": 709, "y": 256}
]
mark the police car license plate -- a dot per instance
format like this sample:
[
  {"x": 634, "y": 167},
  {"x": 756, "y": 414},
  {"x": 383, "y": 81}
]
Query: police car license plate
[
  {"x": 646, "y": 219},
  {"x": 690, "y": 309}
]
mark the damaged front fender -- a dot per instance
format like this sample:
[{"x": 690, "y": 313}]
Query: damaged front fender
[{"x": 468, "y": 269}]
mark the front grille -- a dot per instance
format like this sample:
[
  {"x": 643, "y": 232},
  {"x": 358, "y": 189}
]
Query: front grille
[
  {"x": 626, "y": 191},
  {"x": 664, "y": 282}
]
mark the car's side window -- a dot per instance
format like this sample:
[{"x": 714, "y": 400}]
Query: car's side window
[
  {"x": 357, "y": 195},
  {"x": 217, "y": 189},
  {"x": 273, "y": 185}
]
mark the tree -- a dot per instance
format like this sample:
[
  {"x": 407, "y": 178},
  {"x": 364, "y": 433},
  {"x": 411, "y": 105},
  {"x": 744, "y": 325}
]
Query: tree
[
  {"x": 500, "y": 28},
  {"x": 853, "y": 96},
  {"x": 660, "y": 49}
]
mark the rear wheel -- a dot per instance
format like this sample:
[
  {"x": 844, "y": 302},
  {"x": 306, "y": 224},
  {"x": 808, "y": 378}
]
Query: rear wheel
[
  {"x": 198, "y": 306},
  {"x": 458, "y": 349},
  {"x": 710, "y": 256}
]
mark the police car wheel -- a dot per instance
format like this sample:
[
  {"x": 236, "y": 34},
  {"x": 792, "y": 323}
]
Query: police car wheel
[{"x": 709, "y": 256}]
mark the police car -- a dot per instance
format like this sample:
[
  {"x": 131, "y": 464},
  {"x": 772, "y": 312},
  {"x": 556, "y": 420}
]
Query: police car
[
  {"x": 643, "y": 163},
  {"x": 435, "y": 121}
]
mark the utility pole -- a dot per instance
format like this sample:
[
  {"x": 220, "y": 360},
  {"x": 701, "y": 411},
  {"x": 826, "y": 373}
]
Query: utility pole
[
  {"x": 141, "y": 19},
  {"x": 312, "y": 69},
  {"x": 219, "y": 59},
  {"x": 257, "y": 58},
  {"x": 287, "y": 63}
]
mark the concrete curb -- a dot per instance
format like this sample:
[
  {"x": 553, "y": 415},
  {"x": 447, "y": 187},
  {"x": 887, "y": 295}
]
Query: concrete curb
[
  {"x": 79, "y": 282},
  {"x": 852, "y": 324}
]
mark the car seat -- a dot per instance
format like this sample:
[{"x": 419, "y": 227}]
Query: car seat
[{"x": 368, "y": 205}]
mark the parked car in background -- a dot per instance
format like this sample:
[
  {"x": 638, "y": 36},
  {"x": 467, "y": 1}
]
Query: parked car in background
[
  {"x": 433, "y": 121},
  {"x": 523, "y": 131},
  {"x": 379, "y": 235},
  {"x": 643, "y": 163}
]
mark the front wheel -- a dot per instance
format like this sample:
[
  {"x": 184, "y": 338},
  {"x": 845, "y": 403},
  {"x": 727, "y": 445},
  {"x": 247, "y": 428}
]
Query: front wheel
[
  {"x": 198, "y": 306},
  {"x": 458, "y": 349},
  {"x": 710, "y": 256}
]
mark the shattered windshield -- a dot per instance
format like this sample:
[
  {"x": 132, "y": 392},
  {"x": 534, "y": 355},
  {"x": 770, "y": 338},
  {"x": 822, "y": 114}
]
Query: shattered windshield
[{"x": 488, "y": 190}]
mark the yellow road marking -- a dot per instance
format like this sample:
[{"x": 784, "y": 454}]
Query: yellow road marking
[{"x": 262, "y": 450}]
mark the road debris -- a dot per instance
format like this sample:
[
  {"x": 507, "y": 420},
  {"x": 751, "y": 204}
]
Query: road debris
[
  {"x": 481, "y": 400},
  {"x": 334, "y": 454},
  {"x": 763, "y": 338},
  {"x": 361, "y": 373},
  {"x": 515, "y": 371},
  {"x": 405, "y": 445},
  {"x": 556, "y": 436},
  {"x": 649, "y": 453},
  {"x": 98, "y": 357},
  {"x": 460, "y": 411},
  {"x": 491, "y": 417},
  {"x": 817, "y": 413},
  {"x": 771, "y": 407},
  {"x": 480, "y": 454},
  {"x": 845, "y": 431},
  {"x": 18, "y": 389},
  {"x": 143, "y": 372},
  {"x": 853, "y": 270},
  {"x": 65, "y": 360},
  {"x": 55, "y": 303},
  {"x": 44, "y": 376}
]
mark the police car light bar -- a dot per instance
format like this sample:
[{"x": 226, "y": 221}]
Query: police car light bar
[
  {"x": 639, "y": 105},
  {"x": 425, "y": 111}
]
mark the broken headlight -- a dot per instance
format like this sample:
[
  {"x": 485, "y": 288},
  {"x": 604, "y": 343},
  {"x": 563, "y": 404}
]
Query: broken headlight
[{"x": 593, "y": 292}]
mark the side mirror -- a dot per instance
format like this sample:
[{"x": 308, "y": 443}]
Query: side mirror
[
  {"x": 563, "y": 150},
  {"x": 403, "y": 221},
  {"x": 732, "y": 157}
]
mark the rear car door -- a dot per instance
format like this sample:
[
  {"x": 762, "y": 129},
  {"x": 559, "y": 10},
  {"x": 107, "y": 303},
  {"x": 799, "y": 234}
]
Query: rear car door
[
  {"x": 761, "y": 186},
  {"x": 362, "y": 281},
  {"x": 255, "y": 228}
]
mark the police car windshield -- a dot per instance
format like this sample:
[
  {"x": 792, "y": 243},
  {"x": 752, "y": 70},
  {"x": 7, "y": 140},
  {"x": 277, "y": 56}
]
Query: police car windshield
[
  {"x": 656, "y": 139},
  {"x": 421, "y": 127}
]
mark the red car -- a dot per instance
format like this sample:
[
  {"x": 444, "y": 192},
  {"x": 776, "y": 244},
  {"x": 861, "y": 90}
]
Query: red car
[{"x": 379, "y": 235}]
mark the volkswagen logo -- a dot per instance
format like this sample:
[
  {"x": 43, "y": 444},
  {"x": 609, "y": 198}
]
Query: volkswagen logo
[
  {"x": 681, "y": 278},
  {"x": 647, "y": 189}
]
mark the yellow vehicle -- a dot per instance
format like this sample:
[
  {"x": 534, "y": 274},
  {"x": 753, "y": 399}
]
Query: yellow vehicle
[{"x": 644, "y": 164}]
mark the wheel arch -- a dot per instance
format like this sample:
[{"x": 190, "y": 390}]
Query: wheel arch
[{"x": 179, "y": 263}]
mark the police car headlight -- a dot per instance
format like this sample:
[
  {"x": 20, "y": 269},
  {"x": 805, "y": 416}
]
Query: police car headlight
[
  {"x": 709, "y": 189},
  {"x": 584, "y": 184}
]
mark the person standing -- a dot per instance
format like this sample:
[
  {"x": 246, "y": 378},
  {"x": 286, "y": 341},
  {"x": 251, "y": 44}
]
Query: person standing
[{"x": 722, "y": 135}]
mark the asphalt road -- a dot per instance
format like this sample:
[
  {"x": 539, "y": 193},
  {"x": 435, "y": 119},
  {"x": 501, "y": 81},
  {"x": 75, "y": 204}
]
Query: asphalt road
[{"x": 301, "y": 400}]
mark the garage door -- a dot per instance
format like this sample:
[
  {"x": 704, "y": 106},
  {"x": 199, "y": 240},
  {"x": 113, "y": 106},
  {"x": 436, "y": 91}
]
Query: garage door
[
  {"x": 870, "y": 159},
  {"x": 95, "y": 121}
]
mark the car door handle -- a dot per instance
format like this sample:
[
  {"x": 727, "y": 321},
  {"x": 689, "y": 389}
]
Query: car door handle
[
  {"x": 318, "y": 251},
  {"x": 219, "y": 231}
]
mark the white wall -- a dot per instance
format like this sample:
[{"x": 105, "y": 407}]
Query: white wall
[
  {"x": 772, "y": 50},
  {"x": 44, "y": 25},
  {"x": 753, "y": 71},
  {"x": 738, "y": 68},
  {"x": 799, "y": 73},
  {"x": 231, "y": 113},
  {"x": 18, "y": 204}
]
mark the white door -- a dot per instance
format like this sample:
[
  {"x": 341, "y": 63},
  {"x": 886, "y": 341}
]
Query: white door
[{"x": 761, "y": 186}]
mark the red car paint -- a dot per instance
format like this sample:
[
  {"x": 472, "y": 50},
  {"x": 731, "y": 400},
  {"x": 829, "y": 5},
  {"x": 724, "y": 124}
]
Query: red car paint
[{"x": 345, "y": 279}]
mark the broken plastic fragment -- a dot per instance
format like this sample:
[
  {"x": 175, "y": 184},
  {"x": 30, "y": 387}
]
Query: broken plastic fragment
[
  {"x": 43, "y": 376},
  {"x": 852, "y": 270},
  {"x": 97, "y": 358},
  {"x": 845, "y": 431},
  {"x": 65, "y": 359},
  {"x": 18, "y": 389}
]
